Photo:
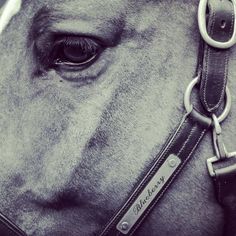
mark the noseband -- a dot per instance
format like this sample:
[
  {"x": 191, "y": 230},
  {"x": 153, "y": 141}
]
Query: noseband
[{"x": 217, "y": 26}]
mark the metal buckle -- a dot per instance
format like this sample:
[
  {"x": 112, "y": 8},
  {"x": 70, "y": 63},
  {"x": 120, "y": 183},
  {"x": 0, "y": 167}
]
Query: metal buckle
[
  {"x": 203, "y": 28},
  {"x": 189, "y": 106},
  {"x": 212, "y": 160}
]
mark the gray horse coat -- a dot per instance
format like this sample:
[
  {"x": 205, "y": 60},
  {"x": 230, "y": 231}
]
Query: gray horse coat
[{"x": 75, "y": 142}]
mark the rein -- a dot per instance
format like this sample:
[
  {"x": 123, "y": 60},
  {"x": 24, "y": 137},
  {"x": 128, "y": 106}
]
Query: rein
[{"x": 218, "y": 32}]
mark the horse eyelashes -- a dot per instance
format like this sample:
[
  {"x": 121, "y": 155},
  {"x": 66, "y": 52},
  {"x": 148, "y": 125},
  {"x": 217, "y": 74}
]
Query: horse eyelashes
[
  {"x": 62, "y": 53},
  {"x": 74, "y": 52}
]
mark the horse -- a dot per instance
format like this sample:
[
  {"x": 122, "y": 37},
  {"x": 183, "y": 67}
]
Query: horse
[{"x": 80, "y": 128}]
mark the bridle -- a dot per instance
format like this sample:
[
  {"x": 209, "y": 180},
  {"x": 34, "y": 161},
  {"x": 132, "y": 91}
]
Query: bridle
[
  {"x": 218, "y": 35},
  {"x": 211, "y": 80}
]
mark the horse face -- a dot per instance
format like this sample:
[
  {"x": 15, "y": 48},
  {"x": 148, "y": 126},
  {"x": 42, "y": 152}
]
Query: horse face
[{"x": 78, "y": 132}]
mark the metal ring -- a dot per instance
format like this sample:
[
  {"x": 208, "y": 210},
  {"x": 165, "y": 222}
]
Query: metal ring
[
  {"x": 203, "y": 29},
  {"x": 189, "y": 106}
]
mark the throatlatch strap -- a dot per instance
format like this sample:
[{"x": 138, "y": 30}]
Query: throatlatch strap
[
  {"x": 163, "y": 172},
  {"x": 215, "y": 61}
]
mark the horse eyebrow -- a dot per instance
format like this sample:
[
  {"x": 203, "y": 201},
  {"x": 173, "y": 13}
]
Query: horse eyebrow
[
  {"x": 55, "y": 20},
  {"x": 41, "y": 21}
]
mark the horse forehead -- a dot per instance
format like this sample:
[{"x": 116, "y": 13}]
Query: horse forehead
[
  {"x": 136, "y": 17},
  {"x": 147, "y": 10}
]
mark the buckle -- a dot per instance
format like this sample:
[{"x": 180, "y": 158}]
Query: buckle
[{"x": 203, "y": 28}]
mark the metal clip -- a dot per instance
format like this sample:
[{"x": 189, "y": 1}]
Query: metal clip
[
  {"x": 220, "y": 150},
  {"x": 212, "y": 160},
  {"x": 219, "y": 146}
]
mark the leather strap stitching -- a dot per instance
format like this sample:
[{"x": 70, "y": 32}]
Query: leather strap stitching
[
  {"x": 170, "y": 182},
  {"x": 226, "y": 59},
  {"x": 190, "y": 134},
  {"x": 155, "y": 167}
]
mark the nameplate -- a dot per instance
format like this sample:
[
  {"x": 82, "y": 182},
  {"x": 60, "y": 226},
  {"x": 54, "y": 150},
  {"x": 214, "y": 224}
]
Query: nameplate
[{"x": 148, "y": 194}]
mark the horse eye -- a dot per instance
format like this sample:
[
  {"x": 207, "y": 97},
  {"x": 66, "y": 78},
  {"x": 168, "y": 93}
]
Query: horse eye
[{"x": 74, "y": 51}]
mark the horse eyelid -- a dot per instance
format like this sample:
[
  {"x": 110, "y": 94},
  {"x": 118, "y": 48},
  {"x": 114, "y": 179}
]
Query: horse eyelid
[{"x": 89, "y": 46}]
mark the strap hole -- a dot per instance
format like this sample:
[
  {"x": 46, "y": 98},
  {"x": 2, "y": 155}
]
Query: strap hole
[{"x": 223, "y": 24}]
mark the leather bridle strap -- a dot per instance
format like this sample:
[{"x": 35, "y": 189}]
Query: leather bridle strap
[
  {"x": 167, "y": 165},
  {"x": 8, "y": 228},
  {"x": 225, "y": 184},
  {"x": 221, "y": 24},
  {"x": 181, "y": 145},
  {"x": 214, "y": 64},
  {"x": 213, "y": 69}
]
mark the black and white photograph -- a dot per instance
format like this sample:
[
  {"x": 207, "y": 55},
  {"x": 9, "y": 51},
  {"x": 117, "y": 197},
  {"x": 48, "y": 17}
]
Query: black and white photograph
[{"x": 117, "y": 118}]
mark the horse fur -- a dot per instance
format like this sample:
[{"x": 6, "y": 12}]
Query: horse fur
[{"x": 71, "y": 152}]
